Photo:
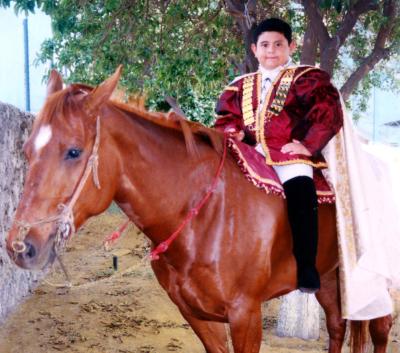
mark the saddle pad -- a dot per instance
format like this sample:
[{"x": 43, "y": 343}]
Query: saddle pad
[{"x": 263, "y": 176}]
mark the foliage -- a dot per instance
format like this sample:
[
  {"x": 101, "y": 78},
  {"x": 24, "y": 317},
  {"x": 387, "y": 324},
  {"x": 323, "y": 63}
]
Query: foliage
[
  {"x": 361, "y": 45},
  {"x": 182, "y": 49},
  {"x": 187, "y": 49}
]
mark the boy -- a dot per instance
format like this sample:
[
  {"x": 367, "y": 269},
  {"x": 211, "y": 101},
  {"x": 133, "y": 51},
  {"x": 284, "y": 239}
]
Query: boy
[{"x": 288, "y": 113}]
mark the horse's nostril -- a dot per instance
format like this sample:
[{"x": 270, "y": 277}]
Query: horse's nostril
[
  {"x": 18, "y": 246},
  {"x": 30, "y": 250}
]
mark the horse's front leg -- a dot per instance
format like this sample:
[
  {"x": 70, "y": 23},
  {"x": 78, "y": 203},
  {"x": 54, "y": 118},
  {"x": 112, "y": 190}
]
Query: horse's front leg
[
  {"x": 212, "y": 334},
  {"x": 246, "y": 325},
  {"x": 379, "y": 329}
]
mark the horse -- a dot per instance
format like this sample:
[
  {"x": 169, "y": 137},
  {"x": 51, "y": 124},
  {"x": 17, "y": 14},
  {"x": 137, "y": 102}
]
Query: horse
[{"x": 86, "y": 150}]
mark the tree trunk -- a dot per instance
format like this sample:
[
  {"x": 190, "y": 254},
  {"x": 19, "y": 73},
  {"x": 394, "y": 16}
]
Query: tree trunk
[
  {"x": 309, "y": 48},
  {"x": 14, "y": 128},
  {"x": 245, "y": 20},
  {"x": 299, "y": 316}
]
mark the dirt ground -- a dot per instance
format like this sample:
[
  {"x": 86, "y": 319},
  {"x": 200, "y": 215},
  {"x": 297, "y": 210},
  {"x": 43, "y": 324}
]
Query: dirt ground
[{"x": 123, "y": 311}]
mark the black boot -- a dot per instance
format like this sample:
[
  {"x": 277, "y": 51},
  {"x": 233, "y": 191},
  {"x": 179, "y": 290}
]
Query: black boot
[{"x": 302, "y": 205}]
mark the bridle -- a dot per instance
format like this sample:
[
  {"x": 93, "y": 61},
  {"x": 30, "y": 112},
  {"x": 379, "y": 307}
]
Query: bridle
[{"x": 65, "y": 219}]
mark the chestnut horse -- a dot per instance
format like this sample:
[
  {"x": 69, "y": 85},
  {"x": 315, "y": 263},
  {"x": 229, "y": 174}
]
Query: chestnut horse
[{"x": 85, "y": 151}]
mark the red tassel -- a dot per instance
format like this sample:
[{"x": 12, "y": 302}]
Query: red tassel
[{"x": 114, "y": 236}]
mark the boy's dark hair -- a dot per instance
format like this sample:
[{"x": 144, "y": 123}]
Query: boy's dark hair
[{"x": 273, "y": 25}]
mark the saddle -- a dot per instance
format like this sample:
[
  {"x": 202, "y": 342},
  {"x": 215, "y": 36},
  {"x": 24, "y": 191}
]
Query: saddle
[{"x": 263, "y": 176}]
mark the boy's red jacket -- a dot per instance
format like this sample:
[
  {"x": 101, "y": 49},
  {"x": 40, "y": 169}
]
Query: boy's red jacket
[{"x": 302, "y": 104}]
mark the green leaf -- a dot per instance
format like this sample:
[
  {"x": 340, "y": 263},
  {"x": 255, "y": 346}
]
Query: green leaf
[
  {"x": 338, "y": 5},
  {"x": 325, "y": 4}
]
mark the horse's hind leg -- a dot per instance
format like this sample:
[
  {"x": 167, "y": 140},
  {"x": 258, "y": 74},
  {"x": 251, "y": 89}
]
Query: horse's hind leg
[
  {"x": 329, "y": 298},
  {"x": 246, "y": 327},
  {"x": 379, "y": 329},
  {"x": 212, "y": 334}
]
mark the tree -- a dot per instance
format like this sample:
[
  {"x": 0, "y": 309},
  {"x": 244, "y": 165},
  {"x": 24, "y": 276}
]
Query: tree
[
  {"x": 191, "y": 49},
  {"x": 372, "y": 27},
  {"x": 167, "y": 47},
  {"x": 346, "y": 37}
]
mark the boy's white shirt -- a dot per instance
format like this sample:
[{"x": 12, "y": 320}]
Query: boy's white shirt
[{"x": 268, "y": 76}]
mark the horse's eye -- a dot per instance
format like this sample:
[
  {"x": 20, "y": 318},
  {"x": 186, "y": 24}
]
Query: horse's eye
[{"x": 73, "y": 153}]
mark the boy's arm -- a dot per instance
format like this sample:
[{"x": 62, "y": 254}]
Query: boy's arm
[
  {"x": 325, "y": 115},
  {"x": 229, "y": 112}
]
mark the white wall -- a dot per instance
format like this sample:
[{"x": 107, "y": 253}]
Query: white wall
[
  {"x": 384, "y": 107},
  {"x": 12, "y": 84}
]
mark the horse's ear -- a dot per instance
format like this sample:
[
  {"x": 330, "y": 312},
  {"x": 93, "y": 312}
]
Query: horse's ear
[
  {"x": 103, "y": 92},
  {"x": 54, "y": 83}
]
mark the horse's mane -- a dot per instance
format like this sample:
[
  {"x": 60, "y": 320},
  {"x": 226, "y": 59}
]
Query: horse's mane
[
  {"x": 174, "y": 121},
  {"x": 59, "y": 102}
]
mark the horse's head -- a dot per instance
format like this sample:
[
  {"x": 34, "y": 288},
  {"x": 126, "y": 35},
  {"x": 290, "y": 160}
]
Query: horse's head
[{"x": 63, "y": 186}]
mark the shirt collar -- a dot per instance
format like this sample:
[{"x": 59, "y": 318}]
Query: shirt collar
[{"x": 271, "y": 74}]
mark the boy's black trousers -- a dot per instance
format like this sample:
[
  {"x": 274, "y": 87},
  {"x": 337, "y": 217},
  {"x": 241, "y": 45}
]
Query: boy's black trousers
[{"x": 302, "y": 205}]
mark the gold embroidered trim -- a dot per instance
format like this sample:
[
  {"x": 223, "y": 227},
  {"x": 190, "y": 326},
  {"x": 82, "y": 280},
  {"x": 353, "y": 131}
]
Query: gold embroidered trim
[
  {"x": 264, "y": 116},
  {"x": 260, "y": 122},
  {"x": 279, "y": 100},
  {"x": 325, "y": 193},
  {"x": 303, "y": 72},
  {"x": 231, "y": 88},
  {"x": 241, "y": 77},
  {"x": 292, "y": 161},
  {"x": 247, "y": 101}
]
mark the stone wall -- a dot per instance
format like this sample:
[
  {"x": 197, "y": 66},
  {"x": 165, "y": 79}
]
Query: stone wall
[{"x": 14, "y": 129}]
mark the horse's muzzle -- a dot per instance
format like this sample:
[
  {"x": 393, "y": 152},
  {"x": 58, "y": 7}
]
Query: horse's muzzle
[{"x": 27, "y": 255}]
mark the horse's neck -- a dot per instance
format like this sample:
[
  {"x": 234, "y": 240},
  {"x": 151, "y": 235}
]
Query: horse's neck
[{"x": 159, "y": 181}]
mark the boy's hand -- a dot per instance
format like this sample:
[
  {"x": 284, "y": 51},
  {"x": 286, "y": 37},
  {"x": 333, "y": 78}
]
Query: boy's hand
[
  {"x": 295, "y": 147},
  {"x": 237, "y": 135}
]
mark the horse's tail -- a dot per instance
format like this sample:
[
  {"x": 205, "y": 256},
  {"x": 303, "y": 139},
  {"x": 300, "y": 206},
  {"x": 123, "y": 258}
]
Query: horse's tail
[{"x": 359, "y": 336}]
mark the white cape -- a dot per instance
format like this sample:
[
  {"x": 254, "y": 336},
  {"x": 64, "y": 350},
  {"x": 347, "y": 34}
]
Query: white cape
[{"x": 366, "y": 182}]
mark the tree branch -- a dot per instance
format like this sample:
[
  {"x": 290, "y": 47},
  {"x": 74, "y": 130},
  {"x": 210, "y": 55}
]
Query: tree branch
[
  {"x": 237, "y": 9},
  {"x": 316, "y": 20},
  {"x": 380, "y": 52},
  {"x": 233, "y": 8},
  {"x": 351, "y": 17},
  {"x": 390, "y": 11},
  {"x": 366, "y": 66},
  {"x": 309, "y": 48}
]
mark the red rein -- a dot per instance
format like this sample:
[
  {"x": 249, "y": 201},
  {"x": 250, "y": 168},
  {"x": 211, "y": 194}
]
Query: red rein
[
  {"x": 163, "y": 246},
  {"x": 114, "y": 236}
]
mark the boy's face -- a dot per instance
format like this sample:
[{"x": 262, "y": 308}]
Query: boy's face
[{"x": 272, "y": 50}]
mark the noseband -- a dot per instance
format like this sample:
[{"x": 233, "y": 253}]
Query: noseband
[{"x": 65, "y": 219}]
